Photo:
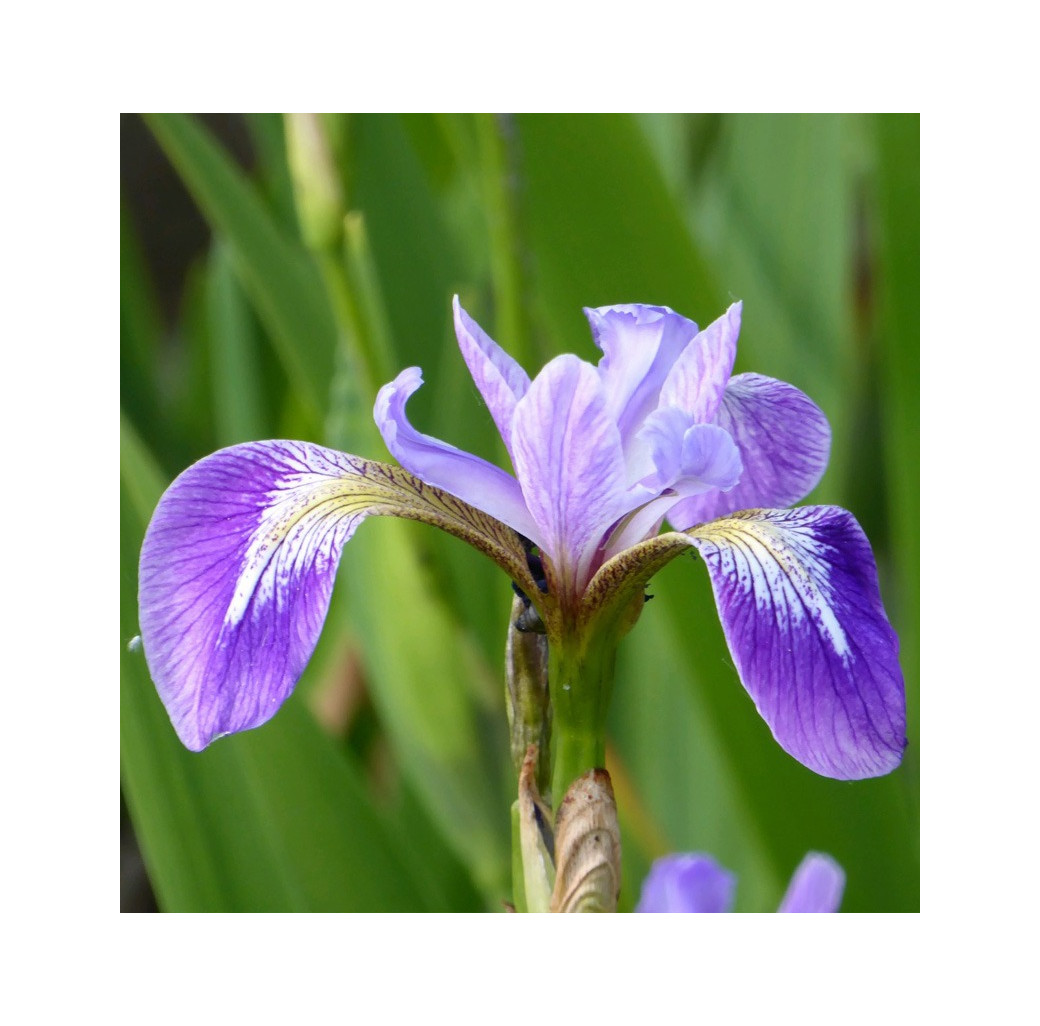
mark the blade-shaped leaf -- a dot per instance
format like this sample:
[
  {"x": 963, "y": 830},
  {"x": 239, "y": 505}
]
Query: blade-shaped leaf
[{"x": 279, "y": 277}]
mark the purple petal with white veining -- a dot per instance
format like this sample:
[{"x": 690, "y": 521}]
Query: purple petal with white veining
[
  {"x": 797, "y": 593},
  {"x": 501, "y": 380},
  {"x": 817, "y": 886},
  {"x": 235, "y": 575},
  {"x": 567, "y": 455},
  {"x": 640, "y": 344},
  {"x": 687, "y": 883},
  {"x": 472, "y": 479},
  {"x": 784, "y": 441},
  {"x": 697, "y": 380},
  {"x": 238, "y": 563}
]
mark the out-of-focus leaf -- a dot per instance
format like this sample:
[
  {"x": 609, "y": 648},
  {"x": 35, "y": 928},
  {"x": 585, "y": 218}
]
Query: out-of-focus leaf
[
  {"x": 140, "y": 325},
  {"x": 416, "y": 256},
  {"x": 422, "y": 667},
  {"x": 239, "y": 406},
  {"x": 273, "y": 819},
  {"x": 268, "y": 134},
  {"x": 899, "y": 177},
  {"x": 673, "y": 753},
  {"x": 602, "y": 224},
  {"x": 417, "y": 260},
  {"x": 279, "y": 277},
  {"x": 191, "y": 413}
]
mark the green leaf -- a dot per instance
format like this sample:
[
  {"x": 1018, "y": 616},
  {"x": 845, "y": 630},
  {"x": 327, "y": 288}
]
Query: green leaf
[
  {"x": 899, "y": 200},
  {"x": 282, "y": 282},
  {"x": 425, "y": 675},
  {"x": 416, "y": 244},
  {"x": 140, "y": 325},
  {"x": 239, "y": 401},
  {"x": 602, "y": 224}
]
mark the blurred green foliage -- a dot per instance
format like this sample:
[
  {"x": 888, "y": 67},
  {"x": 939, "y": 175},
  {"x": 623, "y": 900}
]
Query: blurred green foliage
[{"x": 384, "y": 782}]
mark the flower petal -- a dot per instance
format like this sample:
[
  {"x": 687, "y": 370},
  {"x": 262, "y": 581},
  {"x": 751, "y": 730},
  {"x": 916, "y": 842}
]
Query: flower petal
[
  {"x": 653, "y": 458},
  {"x": 687, "y": 883},
  {"x": 797, "y": 593},
  {"x": 701, "y": 459},
  {"x": 501, "y": 380},
  {"x": 471, "y": 478},
  {"x": 784, "y": 441},
  {"x": 710, "y": 461},
  {"x": 640, "y": 344},
  {"x": 238, "y": 563},
  {"x": 697, "y": 380},
  {"x": 567, "y": 455},
  {"x": 817, "y": 886}
]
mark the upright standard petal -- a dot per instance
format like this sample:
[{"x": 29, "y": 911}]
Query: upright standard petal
[
  {"x": 784, "y": 441},
  {"x": 567, "y": 455},
  {"x": 640, "y": 345},
  {"x": 798, "y": 597},
  {"x": 238, "y": 563},
  {"x": 687, "y": 883},
  {"x": 697, "y": 380},
  {"x": 817, "y": 886},
  {"x": 471, "y": 478},
  {"x": 501, "y": 380}
]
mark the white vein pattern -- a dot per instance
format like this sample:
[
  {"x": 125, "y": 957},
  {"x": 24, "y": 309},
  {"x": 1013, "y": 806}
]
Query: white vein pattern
[{"x": 799, "y": 602}]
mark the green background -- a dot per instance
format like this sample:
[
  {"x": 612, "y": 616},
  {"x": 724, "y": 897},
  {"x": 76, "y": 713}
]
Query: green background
[{"x": 384, "y": 783}]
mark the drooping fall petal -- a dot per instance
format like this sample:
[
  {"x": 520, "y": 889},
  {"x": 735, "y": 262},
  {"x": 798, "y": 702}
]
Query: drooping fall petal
[
  {"x": 238, "y": 563},
  {"x": 798, "y": 597}
]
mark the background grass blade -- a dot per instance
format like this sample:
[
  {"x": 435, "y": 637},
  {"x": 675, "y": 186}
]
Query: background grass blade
[{"x": 278, "y": 275}]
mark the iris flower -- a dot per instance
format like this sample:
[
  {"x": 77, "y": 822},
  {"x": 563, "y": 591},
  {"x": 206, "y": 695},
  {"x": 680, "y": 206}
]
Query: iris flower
[
  {"x": 240, "y": 557},
  {"x": 697, "y": 883}
]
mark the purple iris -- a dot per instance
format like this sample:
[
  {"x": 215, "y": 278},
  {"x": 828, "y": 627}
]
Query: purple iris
[
  {"x": 697, "y": 883},
  {"x": 240, "y": 557}
]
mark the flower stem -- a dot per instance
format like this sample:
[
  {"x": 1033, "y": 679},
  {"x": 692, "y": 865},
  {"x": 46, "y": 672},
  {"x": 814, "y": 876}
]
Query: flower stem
[{"x": 580, "y": 679}]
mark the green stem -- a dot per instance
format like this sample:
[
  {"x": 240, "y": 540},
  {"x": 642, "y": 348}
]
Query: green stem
[{"x": 580, "y": 679}]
